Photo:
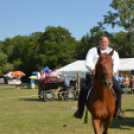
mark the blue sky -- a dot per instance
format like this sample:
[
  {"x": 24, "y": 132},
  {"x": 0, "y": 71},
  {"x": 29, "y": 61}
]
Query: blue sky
[{"x": 23, "y": 17}]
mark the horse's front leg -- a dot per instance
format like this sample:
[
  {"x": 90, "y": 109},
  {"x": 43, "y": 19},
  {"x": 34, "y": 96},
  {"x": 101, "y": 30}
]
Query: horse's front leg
[
  {"x": 107, "y": 124},
  {"x": 96, "y": 124}
]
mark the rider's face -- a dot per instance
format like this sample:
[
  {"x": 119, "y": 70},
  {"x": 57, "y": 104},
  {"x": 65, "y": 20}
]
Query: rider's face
[{"x": 104, "y": 42}]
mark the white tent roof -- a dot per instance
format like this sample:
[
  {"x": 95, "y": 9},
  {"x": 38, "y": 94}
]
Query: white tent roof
[
  {"x": 126, "y": 64},
  {"x": 79, "y": 65}
]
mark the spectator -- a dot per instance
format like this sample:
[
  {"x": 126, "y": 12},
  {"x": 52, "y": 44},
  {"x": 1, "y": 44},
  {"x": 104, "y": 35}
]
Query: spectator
[
  {"x": 18, "y": 82},
  {"x": 121, "y": 80},
  {"x": 126, "y": 81},
  {"x": 132, "y": 83},
  {"x": 40, "y": 77},
  {"x": 32, "y": 84}
]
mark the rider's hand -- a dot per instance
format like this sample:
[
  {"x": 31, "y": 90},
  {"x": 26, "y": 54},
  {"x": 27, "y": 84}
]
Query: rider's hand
[{"x": 93, "y": 72}]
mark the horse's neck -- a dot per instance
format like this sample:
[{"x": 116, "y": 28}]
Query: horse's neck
[{"x": 100, "y": 90}]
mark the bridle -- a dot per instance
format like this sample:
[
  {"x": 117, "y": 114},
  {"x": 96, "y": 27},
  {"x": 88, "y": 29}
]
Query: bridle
[{"x": 105, "y": 74}]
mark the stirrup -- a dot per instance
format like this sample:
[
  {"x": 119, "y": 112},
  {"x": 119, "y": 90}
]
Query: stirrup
[{"x": 120, "y": 115}]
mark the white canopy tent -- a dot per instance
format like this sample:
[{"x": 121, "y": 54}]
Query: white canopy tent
[
  {"x": 126, "y": 64},
  {"x": 9, "y": 75},
  {"x": 11, "y": 79}
]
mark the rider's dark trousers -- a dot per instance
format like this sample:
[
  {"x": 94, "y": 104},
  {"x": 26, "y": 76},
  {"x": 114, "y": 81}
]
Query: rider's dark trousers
[
  {"x": 118, "y": 90},
  {"x": 85, "y": 87}
]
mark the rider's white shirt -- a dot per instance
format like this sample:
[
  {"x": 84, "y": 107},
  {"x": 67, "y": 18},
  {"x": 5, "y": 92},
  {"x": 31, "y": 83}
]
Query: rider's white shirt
[{"x": 92, "y": 58}]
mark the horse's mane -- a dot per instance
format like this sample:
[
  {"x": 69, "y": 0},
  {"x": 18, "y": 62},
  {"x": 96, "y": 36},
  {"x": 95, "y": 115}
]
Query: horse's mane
[
  {"x": 96, "y": 70},
  {"x": 96, "y": 66}
]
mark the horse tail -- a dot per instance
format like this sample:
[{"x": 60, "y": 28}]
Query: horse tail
[{"x": 86, "y": 115}]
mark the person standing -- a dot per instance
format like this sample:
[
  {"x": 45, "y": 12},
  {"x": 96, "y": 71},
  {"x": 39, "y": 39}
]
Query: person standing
[
  {"x": 18, "y": 82},
  {"x": 40, "y": 77},
  {"x": 32, "y": 84},
  {"x": 126, "y": 81},
  {"x": 132, "y": 84},
  {"x": 121, "y": 80}
]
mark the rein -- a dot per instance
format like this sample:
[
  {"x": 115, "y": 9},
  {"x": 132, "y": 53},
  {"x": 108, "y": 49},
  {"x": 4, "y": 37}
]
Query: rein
[{"x": 102, "y": 75}]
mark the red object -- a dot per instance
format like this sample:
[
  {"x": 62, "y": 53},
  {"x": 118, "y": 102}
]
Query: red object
[
  {"x": 47, "y": 78},
  {"x": 18, "y": 73}
]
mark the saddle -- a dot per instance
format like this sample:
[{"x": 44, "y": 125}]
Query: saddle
[{"x": 114, "y": 93}]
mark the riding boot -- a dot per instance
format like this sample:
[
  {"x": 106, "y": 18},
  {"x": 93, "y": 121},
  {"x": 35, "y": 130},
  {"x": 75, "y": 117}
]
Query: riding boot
[
  {"x": 118, "y": 112},
  {"x": 85, "y": 86},
  {"x": 79, "y": 112},
  {"x": 82, "y": 100}
]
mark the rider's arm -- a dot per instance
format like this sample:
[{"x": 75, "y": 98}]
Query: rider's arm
[
  {"x": 89, "y": 63},
  {"x": 116, "y": 62}
]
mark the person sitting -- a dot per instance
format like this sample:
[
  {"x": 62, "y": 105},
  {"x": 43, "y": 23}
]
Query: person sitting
[
  {"x": 47, "y": 77},
  {"x": 90, "y": 63},
  {"x": 65, "y": 84},
  {"x": 54, "y": 76}
]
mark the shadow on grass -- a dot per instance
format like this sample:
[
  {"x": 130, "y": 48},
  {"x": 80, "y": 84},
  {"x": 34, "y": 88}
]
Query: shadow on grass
[
  {"x": 42, "y": 100},
  {"x": 128, "y": 110},
  {"x": 29, "y": 99},
  {"x": 123, "y": 124}
]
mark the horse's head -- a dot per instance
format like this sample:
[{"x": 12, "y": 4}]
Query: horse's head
[{"x": 104, "y": 68}]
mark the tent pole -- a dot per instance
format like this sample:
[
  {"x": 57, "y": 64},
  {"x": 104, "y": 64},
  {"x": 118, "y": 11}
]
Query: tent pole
[{"x": 78, "y": 81}]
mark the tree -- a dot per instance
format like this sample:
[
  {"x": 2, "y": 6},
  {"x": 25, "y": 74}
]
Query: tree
[
  {"x": 121, "y": 44},
  {"x": 57, "y": 46},
  {"x": 4, "y": 66},
  {"x": 21, "y": 55},
  {"x": 124, "y": 17}
]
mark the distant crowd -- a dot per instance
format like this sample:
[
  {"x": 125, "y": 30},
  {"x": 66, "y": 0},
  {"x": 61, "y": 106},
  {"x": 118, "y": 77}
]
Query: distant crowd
[{"x": 126, "y": 82}]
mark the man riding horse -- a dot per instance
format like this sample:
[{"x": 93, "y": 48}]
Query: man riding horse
[{"x": 91, "y": 60}]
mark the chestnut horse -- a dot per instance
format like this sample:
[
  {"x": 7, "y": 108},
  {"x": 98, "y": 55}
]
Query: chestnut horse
[{"x": 101, "y": 101}]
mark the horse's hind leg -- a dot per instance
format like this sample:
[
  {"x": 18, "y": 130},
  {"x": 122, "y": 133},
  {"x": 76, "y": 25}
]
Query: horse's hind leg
[
  {"x": 106, "y": 125},
  {"x": 96, "y": 124}
]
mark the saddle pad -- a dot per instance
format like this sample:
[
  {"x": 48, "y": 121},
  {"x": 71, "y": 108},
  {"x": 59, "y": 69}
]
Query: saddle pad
[{"x": 90, "y": 90}]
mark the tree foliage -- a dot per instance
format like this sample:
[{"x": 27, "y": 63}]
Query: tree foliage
[{"x": 58, "y": 46}]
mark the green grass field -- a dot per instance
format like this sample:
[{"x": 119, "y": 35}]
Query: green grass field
[{"x": 23, "y": 113}]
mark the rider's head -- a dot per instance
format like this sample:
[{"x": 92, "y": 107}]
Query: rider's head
[{"x": 104, "y": 42}]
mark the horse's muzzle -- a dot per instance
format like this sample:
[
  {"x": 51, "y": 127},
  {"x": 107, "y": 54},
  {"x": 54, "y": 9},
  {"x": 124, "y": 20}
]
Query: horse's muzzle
[{"x": 108, "y": 83}]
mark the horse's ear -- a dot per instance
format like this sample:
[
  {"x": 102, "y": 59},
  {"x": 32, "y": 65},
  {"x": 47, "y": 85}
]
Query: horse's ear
[
  {"x": 111, "y": 53},
  {"x": 99, "y": 51}
]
